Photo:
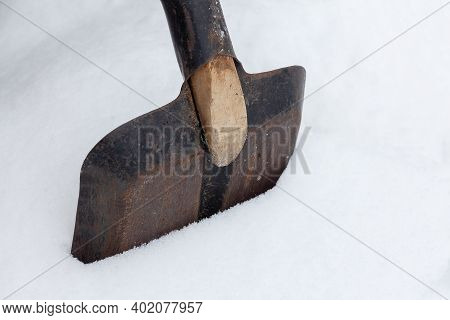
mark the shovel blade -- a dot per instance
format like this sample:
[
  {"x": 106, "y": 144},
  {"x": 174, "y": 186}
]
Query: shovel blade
[{"x": 154, "y": 175}]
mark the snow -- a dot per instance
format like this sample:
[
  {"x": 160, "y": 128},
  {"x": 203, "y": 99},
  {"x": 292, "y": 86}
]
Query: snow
[{"x": 379, "y": 152}]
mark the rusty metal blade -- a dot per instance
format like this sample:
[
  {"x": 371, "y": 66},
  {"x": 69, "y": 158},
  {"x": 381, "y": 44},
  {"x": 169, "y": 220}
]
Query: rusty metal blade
[{"x": 154, "y": 175}]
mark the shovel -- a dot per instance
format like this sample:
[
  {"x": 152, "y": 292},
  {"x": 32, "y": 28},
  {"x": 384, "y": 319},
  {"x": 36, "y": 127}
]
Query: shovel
[{"x": 225, "y": 139}]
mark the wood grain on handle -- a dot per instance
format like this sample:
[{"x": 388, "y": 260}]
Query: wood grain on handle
[{"x": 220, "y": 103}]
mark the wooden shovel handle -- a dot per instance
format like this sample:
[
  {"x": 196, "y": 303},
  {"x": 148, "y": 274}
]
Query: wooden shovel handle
[
  {"x": 205, "y": 56},
  {"x": 220, "y": 104},
  {"x": 199, "y": 32}
]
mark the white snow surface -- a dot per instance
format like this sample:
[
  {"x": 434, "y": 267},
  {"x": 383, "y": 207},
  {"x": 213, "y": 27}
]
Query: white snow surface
[{"x": 379, "y": 152}]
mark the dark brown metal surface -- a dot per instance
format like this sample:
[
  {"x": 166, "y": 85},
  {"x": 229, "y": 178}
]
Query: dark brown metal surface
[
  {"x": 122, "y": 206},
  {"x": 199, "y": 32},
  {"x": 154, "y": 175}
]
